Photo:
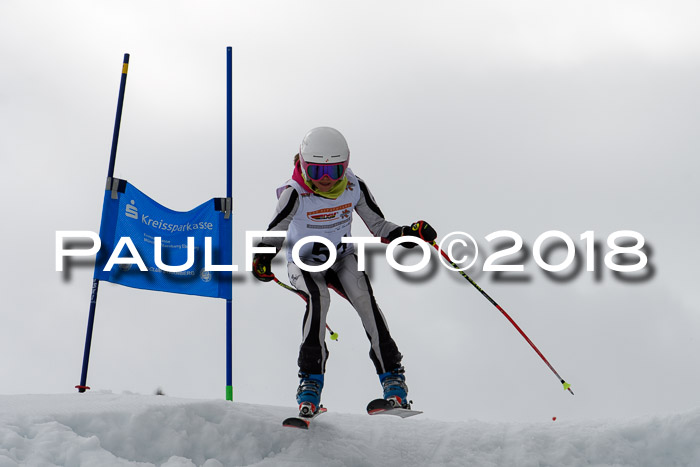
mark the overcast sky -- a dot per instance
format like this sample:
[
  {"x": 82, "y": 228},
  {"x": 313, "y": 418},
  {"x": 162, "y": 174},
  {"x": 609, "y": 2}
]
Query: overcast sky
[{"x": 476, "y": 116}]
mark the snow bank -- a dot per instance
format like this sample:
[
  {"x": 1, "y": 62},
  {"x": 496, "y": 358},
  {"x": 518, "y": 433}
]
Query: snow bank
[{"x": 104, "y": 429}]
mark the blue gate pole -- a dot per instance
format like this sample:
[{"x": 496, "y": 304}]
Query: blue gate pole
[
  {"x": 229, "y": 194},
  {"x": 82, "y": 387}
]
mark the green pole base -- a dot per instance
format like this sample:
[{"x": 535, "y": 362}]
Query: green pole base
[{"x": 229, "y": 393}]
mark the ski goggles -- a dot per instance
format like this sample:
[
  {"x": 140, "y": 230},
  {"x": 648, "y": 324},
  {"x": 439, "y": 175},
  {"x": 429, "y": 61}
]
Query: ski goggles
[{"x": 316, "y": 172}]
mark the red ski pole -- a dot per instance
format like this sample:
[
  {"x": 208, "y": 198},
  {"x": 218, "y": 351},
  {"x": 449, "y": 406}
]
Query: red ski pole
[{"x": 566, "y": 385}]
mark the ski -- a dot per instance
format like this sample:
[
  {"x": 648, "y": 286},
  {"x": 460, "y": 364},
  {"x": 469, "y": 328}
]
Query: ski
[
  {"x": 303, "y": 422},
  {"x": 384, "y": 407}
]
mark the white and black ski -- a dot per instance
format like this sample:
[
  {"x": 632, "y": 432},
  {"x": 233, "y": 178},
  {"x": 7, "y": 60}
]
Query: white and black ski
[
  {"x": 303, "y": 422},
  {"x": 384, "y": 407}
]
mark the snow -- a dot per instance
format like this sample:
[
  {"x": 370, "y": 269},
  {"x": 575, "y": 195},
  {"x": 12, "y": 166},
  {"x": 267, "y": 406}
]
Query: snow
[{"x": 105, "y": 429}]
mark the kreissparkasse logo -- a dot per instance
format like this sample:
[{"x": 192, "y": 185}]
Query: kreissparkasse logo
[{"x": 131, "y": 210}]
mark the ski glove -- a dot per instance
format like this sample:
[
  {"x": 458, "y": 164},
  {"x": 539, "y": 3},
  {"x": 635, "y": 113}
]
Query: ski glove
[
  {"x": 420, "y": 229},
  {"x": 262, "y": 266}
]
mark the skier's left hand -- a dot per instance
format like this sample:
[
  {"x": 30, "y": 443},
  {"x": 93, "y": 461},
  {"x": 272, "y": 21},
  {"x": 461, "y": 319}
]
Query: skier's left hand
[{"x": 420, "y": 229}]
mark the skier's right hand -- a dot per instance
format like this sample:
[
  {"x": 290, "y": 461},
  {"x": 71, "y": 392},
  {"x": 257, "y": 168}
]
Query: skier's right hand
[{"x": 262, "y": 267}]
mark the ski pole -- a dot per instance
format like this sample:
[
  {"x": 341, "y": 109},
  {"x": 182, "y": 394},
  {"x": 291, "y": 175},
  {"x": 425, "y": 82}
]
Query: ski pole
[
  {"x": 334, "y": 335},
  {"x": 566, "y": 385}
]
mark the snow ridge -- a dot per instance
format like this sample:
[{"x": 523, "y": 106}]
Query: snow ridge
[{"x": 105, "y": 429}]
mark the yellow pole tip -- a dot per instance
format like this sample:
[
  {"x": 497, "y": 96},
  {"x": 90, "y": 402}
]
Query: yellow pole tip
[
  {"x": 566, "y": 386},
  {"x": 334, "y": 336}
]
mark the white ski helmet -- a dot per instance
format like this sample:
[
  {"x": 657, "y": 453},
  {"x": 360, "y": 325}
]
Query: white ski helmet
[{"x": 324, "y": 145}]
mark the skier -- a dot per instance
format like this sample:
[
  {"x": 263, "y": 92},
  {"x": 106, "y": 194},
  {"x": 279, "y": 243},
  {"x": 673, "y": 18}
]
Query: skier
[{"x": 319, "y": 200}]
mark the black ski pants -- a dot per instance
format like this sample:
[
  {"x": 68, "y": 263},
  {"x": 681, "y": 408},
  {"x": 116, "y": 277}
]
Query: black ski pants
[{"x": 355, "y": 286}]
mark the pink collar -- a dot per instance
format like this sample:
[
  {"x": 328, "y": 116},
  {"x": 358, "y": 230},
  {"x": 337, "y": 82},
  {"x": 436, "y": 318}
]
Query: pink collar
[{"x": 297, "y": 177}]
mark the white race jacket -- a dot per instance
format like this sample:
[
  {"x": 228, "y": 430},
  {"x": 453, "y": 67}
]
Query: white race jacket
[{"x": 304, "y": 214}]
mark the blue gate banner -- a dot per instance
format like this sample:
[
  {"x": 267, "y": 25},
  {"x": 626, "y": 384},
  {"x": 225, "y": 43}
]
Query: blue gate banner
[{"x": 127, "y": 212}]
